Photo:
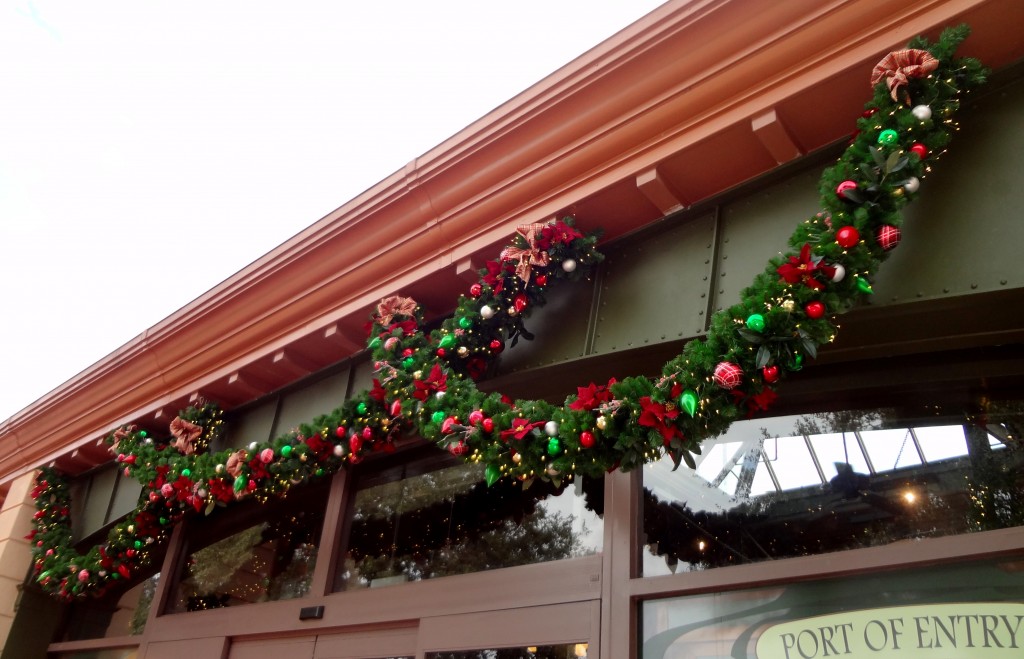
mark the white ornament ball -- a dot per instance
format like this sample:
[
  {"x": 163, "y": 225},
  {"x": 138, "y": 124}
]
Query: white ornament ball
[
  {"x": 551, "y": 429},
  {"x": 912, "y": 185},
  {"x": 439, "y": 395},
  {"x": 922, "y": 112},
  {"x": 486, "y": 312},
  {"x": 840, "y": 272},
  {"x": 219, "y": 469},
  {"x": 339, "y": 451},
  {"x": 201, "y": 493},
  {"x": 569, "y": 265},
  {"x": 252, "y": 446}
]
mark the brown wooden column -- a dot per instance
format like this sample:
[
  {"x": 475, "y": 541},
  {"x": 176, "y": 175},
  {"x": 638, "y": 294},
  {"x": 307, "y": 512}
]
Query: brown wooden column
[{"x": 15, "y": 551}]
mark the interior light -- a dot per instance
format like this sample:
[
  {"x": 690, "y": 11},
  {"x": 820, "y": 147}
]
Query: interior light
[
  {"x": 581, "y": 649},
  {"x": 701, "y": 545},
  {"x": 909, "y": 496}
]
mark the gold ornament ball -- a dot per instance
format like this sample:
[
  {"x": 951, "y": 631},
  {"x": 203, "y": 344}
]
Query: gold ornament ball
[
  {"x": 789, "y": 305},
  {"x": 463, "y": 351},
  {"x": 517, "y": 458},
  {"x": 418, "y": 375},
  {"x": 602, "y": 422}
]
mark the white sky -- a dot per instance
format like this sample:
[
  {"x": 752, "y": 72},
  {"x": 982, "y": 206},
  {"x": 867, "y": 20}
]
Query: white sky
[{"x": 148, "y": 150}]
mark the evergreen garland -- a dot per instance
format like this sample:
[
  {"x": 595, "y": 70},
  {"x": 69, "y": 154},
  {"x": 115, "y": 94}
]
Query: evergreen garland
[{"x": 425, "y": 385}]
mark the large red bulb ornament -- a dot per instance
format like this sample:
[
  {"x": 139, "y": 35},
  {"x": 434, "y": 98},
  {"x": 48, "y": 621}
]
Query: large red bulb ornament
[
  {"x": 586, "y": 439},
  {"x": 847, "y": 236},
  {"x": 920, "y": 149},
  {"x": 771, "y": 373},
  {"x": 815, "y": 309}
]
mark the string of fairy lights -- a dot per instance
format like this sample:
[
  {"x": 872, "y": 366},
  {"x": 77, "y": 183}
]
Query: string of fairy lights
[{"x": 425, "y": 381}]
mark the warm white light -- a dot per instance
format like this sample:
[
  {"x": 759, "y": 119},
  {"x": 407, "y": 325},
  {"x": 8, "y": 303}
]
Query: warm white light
[
  {"x": 909, "y": 496},
  {"x": 581, "y": 649},
  {"x": 701, "y": 545}
]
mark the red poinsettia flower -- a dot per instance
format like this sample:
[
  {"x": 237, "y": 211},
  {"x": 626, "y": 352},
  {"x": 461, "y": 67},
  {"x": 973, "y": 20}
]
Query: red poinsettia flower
[
  {"x": 377, "y": 393},
  {"x": 592, "y": 395},
  {"x": 659, "y": 416},
  {"x": 520, "y": 428},
  {"x": 802, "y": 269},
  {"x": 495, "y": 277},
  {"x": 436, "y": 381},
  {"x": 759, "y": 402},
  {"x": 221, "y": 490},
  {"x": 559, "y": 232}
]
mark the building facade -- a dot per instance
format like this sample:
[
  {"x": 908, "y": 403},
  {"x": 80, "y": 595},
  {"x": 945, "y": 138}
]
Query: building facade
[{"x": 873, "y": 511}]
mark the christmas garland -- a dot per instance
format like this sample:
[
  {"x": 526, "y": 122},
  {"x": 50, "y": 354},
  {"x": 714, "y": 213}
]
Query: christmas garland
[{"x": 425, "y": 382}]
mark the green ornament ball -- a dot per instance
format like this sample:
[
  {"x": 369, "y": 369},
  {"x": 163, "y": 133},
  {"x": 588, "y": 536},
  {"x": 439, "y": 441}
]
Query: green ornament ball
[
  {"x": 465, "y": 323},
  {"x": 375, "y": 343},
  {"x": 888, "y": 137},
  {"x": 286, "y": 450},
  {"x": 186, "y": 472},
  {"x": 864, "y": 286},
  {"x": 689, "y": 402},
  {"x": 361, "y": 408},
  {"x": 138, "y": 544},
  {"x": 554, "y": 446},
  {"x": 240, "y": 483},
  {"x": 798, "y": 363},
  {"x": 447, "y": 341},
  {"x": 408, "y": 362},
  {"x": 437, "y": 417},
  {"x": 755, "y": 321}
]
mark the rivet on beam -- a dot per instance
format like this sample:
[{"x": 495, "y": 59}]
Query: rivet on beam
[
  {"x": 658, "y": 191},
  {"x": 772, "y": 133}
]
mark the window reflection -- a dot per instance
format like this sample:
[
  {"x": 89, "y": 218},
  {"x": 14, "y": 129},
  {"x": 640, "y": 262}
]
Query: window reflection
[
  {"x": 436, "y": 517},
  {"x": 800, "y": 485},
  {"x": 271, "y": 557},
  {"x": 741, "y": 623},
  {"x": 113, "y": 615},
  {"x": 565, "y": 651}
]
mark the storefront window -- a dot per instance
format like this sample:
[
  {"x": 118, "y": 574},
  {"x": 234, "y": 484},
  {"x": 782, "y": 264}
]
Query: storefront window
[
  {"x": 261, "y": 555},
  {"x": 111, "y": 617},
  {"x": 969, "y": 610},
  {"x": 813, "y": 484},
  {"x": 436, "y": 516}
]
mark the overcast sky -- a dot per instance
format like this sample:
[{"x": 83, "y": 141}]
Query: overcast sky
[{"x": 149, "y": 150}]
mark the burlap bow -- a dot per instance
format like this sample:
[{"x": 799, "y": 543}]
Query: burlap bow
[
  {"x": 528, "y": 256},
  {"x": 393, "y": 306},
  {"x": 899, "y": 66},
  {"x": 185, "y": 435}
]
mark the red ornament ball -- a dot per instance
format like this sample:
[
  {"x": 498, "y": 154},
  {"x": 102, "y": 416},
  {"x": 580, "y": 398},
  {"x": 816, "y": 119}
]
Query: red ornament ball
[
  {"x": 458, "y": 448},
  {"x": 920, "y": 149},
  {"x": 888, "y": 236},
  {"x": 520, "y": 302},
  {"x": 355, "y": 442},
  {"x": 487, "y": 425},
  {"x": 771, "y": 373},
  {"x": 367, "y": 432},
  {"x": 541, "y": 280},
  {"x": 815, "y": 309},
  {"x": 440, "y": 352},
  {"x": 340, "y": 431},
  {"x": 475, "y": 290},
  {"x": 586, "y": 439},
  {"x": 847, "y": 236},
  {"x": 844, "y": 187},
  {"x": 728, "y": 375},
  {"x": 497, "y": 346}
]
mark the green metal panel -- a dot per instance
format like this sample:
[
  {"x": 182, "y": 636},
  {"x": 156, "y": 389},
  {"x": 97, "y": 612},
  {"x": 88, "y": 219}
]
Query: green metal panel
[
  {"x": 965, "y": 234},
  {"x": 756, "y": 227},
  {"x": 126, "y": 496},
  {"x": 101, "y": 489},
  {"x": 656, "y": 290},
  {"x": 254, "y": 425},
  {"x": 303, "y": 405},
  {"x": 560, "y": 327}
]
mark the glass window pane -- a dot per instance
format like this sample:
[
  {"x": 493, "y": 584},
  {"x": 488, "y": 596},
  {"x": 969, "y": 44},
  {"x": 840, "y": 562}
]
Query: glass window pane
[
  {"x": 435, "y": 522},
  {"x": 929, "y": 612},
  {"x": 834, "y": 450},
  {"x": 942, "y": 442},
  {"x": 757, "y": 495},
  {"x": 102, "y": 619},
  {"x": 890, "y": 449},
  {"x": 270, "y": 558}
]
